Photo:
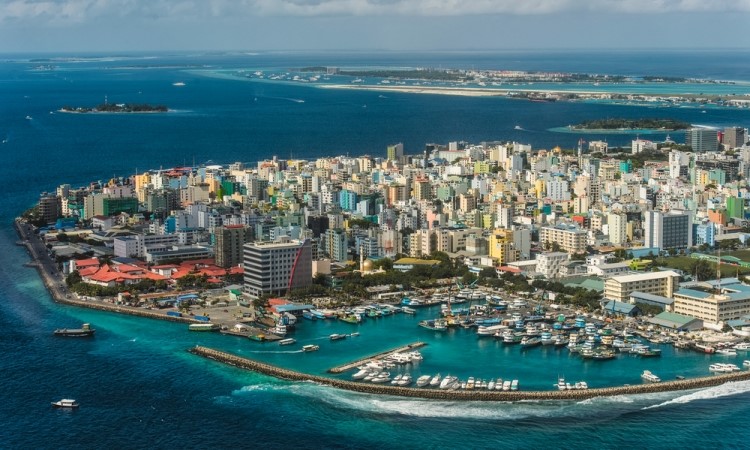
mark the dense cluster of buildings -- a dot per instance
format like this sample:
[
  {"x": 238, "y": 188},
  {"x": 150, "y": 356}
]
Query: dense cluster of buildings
[{"x": 544, "y": 213}]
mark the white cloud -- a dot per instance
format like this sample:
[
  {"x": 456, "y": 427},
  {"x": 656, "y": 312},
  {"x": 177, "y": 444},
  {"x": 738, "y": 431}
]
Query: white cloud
[{"x": 77, "y": 11}]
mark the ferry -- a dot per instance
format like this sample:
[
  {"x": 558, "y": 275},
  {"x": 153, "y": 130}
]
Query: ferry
[
  {"x": 66, "y": 403},
  {"x": 203, "y": 327},
  {"x": 650, "y": 377},
  {"x": 84, "y": 331},
  {"x": 310, "y": 348},
  {"x": 280, "y": 329},
  {"x": 287, "y": 341}
]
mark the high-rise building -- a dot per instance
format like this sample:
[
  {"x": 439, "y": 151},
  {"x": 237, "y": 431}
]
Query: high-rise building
[
  {"x": 702, "y": 139},
  {"x": 275, "y": 268},
  {"x": 395, "y": 152},
  {"x": 668, "y": 230},
  {"x": 734, "y": 137},
  {"x": 229, "y": 242},
  {"x": 502, "y": 247},
  {"x": 49, "y": 207},
  {"x": 617, "y": 224}
]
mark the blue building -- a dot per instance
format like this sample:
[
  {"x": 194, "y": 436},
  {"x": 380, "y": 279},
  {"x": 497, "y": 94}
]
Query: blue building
[
  {"x": 348, "y": 200},
  {"x": 703, "y": 233}
]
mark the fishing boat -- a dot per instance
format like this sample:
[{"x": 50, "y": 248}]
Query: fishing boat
[
  {"x": 310, "y": 348},
  {"x": 650, "y": 377},
  {"x": 704, "y": 348},
  {"x": 66, "y": 403},
  {"x": 287, "y": 341},
  {"x": 84, "y": 331},
  {"x": 434, "y": 325}
]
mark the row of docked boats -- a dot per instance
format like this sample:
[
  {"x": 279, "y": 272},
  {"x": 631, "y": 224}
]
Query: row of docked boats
[
  {"x": 562, "y": 385},
  {"x": 724, "y": 368},
  {"x": 378, "y": 376}
]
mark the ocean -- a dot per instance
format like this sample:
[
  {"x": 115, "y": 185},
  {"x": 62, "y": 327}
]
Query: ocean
[{"x": 137, "y": 384}]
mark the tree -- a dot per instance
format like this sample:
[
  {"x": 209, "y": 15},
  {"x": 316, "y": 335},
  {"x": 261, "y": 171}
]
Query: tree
[
  {"x": 555, "y": 247},
  {"x": 701, "y": 269},
  {"x": 488, "y": 272}
]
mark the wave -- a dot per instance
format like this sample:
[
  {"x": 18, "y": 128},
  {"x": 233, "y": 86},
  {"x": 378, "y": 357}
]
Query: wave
[{"x": 724, "y": 390}]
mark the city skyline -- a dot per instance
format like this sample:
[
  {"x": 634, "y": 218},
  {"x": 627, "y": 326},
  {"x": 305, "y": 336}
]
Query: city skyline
[{"x": 128, "y": 25}]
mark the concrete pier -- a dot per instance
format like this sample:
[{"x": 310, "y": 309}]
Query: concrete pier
[
  {"x": 474, "y": 395},
  {"x": 377, "y": 356}
]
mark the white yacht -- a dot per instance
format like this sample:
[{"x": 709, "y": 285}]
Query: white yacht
[
  {"x": 423, "y": 381},
  {"x": 650, "y": 377},
  {"x": 435, "y": 381}
]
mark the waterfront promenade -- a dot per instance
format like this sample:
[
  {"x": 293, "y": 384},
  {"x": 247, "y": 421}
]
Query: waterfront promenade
[
  {"x": 54, "y": 283},
  {"x": 474, "y": 395}
]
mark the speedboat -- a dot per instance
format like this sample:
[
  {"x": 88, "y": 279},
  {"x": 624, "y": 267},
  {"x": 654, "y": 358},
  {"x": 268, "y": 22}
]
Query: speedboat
[
  {"x": 650, "y": 377},
  {"x": 66, "y": 403},
  {"x": 336, "y": 337},
  {"x": 405, "y": 380},
  {"x": 448, "y": 382}
]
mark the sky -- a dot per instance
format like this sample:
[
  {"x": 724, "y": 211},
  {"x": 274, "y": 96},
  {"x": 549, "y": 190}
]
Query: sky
[{"x": 397, "y": 25}]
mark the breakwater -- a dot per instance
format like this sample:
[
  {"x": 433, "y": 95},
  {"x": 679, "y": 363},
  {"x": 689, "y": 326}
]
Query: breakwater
[
  {"x": 47, "y": 270},
  {"x": 366, "y": 359},
  {"x": 436, "y": 394}
]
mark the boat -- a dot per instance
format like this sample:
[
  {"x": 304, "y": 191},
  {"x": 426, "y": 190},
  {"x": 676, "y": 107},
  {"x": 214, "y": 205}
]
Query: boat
[
  {"x": 310, "y": 348},
  {"x": 337, "y": 337},
  {"x": 405, "y": 380},
  {"x": 506, "y": 385},
  {"x": 280, "y": 329},
  {"x": 407, "y": 310},
  {"x": 287, "y": 341},
  {"x": 483, "y": 330},
  {"x": 66, "y": 403},
  {"x": 28, "y": 118},
  {"x": 423, "y": 381},
  {"x": 179, "y": 83},
  {"x": 306, "y": 314},
  {"x": 650, "y": 377},
  {"x": 84, "y": 331},
  {"x": 746, "y": 363},
  {"x": 351, "y": 318},
  {"x": 517, "y": 127},
  {"x": 396, "y": 379},
  {"x": 743, "y": 346},
  {"x": 704, "y": 348},
  {"x": 514, "y": 385},
  {"x": 203, "y": 327},
  {"x": 435, "y": 381},
  {"x": 361, "y": 373},
  {"x": 435, "y": 325},
  {"x": 561, "y": 384},
  {"x": 646, "y": 351},
  {"x": 448, "y": 382},
  {"x": 723, "y": 368},
  {"x": 726, "y": 352},
  {"x": 491, "y": 385},
  {"x": 382, "y": 377},
  {"x": 527, "y": 342}
]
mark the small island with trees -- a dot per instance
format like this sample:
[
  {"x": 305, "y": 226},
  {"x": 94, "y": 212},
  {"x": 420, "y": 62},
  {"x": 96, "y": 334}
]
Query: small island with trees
[
  {"x": 632, "y": 124},
  {"x": 117, "y": 108}
]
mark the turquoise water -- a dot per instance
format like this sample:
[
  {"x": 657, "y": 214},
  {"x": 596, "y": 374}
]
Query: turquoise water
[{"x": 140, "y": 388}]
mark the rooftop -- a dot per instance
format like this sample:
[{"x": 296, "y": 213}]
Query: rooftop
[{"x": 645, "y": 276}]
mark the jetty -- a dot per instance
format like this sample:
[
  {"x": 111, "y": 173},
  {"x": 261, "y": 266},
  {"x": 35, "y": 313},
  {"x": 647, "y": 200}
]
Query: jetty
[
  {"x": 473, "y": 395},
  {"x": 375, "y": 357}
]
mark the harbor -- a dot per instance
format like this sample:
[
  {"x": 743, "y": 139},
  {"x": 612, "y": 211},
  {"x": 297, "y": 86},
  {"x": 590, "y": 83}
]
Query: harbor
[{"x": 435, "y": 394}]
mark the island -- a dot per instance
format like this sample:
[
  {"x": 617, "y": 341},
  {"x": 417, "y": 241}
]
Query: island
[
  {"x": 632, "y": 124},
  {"x": 117, "y": 108}
]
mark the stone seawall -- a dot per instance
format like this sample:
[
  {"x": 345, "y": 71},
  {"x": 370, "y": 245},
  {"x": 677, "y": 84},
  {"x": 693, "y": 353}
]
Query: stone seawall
[
  {"x": 46, "y": 268},
  {"x": 436, "y": 394}
]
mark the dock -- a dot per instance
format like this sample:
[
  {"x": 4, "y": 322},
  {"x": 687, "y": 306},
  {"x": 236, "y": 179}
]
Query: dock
[{"x": 375, "y": 357}]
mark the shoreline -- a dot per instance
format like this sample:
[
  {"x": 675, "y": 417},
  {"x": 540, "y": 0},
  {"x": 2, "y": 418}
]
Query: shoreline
[
  {"x": 56, "y": 288},
  {"x": 436, "y": 394}
]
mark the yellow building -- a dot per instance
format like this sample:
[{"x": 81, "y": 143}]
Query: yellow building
[{"x": 501, "y": 246}]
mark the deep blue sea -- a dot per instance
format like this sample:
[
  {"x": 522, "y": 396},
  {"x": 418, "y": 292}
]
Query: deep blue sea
[{"x": 138, "y": 386}]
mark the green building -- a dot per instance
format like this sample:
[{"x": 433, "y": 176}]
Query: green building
[{"x": 736, "y": 207}]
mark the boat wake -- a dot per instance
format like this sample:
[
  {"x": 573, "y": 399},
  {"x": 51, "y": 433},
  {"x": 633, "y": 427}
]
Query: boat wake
[{"x": 725, "y": 390}]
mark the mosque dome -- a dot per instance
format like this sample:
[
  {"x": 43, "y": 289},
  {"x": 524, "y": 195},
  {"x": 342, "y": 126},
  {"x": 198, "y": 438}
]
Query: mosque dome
[{"x": 367, "y": 265}]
